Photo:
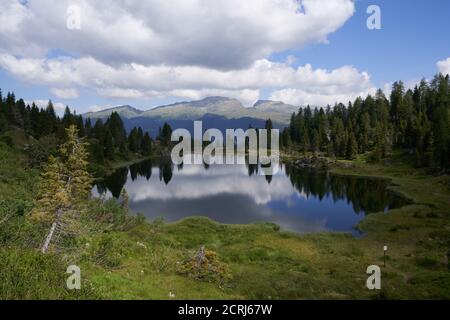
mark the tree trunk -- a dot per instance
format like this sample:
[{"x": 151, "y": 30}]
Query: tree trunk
[{"x": 50, "y": 234}]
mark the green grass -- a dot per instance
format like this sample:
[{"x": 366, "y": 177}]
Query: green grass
[
  {"x": 133, "y": 259},
  {"x": 268, "y": 264},
  {"x": 28, "y": 275}
]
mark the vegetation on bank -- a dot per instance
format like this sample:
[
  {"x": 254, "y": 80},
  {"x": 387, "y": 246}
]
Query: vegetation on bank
[
  {"x": 125, "y": 257},
  {"x": 40, "y": 132},
  {"x": 415, "y": 120}
]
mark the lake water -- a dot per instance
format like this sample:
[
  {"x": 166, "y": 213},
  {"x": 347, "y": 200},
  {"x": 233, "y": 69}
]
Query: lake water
[{"x": 299, "y": 200}]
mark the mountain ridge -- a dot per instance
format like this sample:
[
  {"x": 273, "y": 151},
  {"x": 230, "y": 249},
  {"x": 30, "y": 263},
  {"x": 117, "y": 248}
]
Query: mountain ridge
[
  {"x": 215, "y": 112},
  {"x": 228, "y": 108}
]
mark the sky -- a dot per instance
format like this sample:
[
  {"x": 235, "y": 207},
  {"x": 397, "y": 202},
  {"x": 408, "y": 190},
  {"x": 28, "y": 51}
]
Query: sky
[{"x": 90, "y": 55}]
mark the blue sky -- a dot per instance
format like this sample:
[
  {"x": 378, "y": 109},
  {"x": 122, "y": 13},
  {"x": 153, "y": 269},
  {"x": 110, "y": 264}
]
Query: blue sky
[{"x": 413, "y": 38}]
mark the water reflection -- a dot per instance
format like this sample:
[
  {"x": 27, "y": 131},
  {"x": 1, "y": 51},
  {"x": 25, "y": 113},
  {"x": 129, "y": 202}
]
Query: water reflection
[{"x": 298, "y": 200}]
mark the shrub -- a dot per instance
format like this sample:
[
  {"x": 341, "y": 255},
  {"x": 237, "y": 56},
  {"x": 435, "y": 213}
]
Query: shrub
[{"x": 205, "y": 265}]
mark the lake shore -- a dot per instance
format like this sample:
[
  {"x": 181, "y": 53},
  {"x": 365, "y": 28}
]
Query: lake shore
[
  {"x": 266, "y": 263},
  {"x": 142, "y": 260}
]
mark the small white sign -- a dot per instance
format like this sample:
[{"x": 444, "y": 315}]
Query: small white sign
[{"x": 385, "y": 248}]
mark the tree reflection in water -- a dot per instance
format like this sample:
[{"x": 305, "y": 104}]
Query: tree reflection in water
[{"x": 302, "y": 200}]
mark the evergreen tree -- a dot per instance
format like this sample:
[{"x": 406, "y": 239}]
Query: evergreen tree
[
  {"x": 146, "y": 147},
  {"x": 441, "y": 124},
  {"x": 117, "y": 130},
  {"x": 108, "y": 145},
  {"x": 352, "y": 147},
  {"x": 88, "y": 127},
  {"x": 133, "y": 143},
  {"x": 165, "y": 134},
  {"x": 269, "y": 126},
  {"x": 286, "y": 138},
  {"x": 65, "y": 186}
]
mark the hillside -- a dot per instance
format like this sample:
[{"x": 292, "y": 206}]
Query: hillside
[{"x": 123, "y": 111}]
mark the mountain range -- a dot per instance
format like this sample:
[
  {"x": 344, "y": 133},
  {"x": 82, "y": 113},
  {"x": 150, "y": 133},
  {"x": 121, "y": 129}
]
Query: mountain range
[{"x": 215, "y": 112}]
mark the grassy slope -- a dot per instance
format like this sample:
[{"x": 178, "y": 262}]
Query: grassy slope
[
  {"x": 24, "y": 272},
  {"x": 264, "y": 263}
]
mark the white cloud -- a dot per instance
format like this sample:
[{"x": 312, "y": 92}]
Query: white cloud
[
  {"x": 301, "y": 97},
  {"x": 186, "y": 49},
  {"x": 209, "y": 184},
  {"x": 64, "y": 93},
  {"x": 301, "y": 85},
  {"x": 225, "y": 34},
  {"x": 444, "y": 66}
]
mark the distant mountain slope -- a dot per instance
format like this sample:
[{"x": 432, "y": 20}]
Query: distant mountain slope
[
  {"x": 275, "y": 106},
  {"x": 209, "y": 121},
  {"x": 123, "y": 111},
  {"x": 222, "y": 112}
]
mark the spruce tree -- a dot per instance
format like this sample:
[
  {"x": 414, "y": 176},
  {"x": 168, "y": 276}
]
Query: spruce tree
[
  {"x": 146, "y": 147},
  {"x": 64, "y": 189},
  {"x": 352, "y": 147}
]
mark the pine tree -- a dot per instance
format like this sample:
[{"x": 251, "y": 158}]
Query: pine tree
[
  {"x": 108, "y": 145},
  {"x": 165, "y": 134},
  {"x": 67, "y": 119},
  {"x": 269, "y": 126},
  {"x": 64, "y": 188},
  {"x": 133, "y": 140},
  {"x": 139, "y": 138},
  {"x": 286, "y": 138},
  {"x": 9, "y": 104},
  {"x": 352, "y": 147},
  {"x": 50, "y": 119},
  {"x": 88, "y": 127},
  {"x": 397, "y": 101},
  {"x": 441, "y": 124},
  {"x": 117, "y": 129},
  {"x": 34, "y": 121},
  {"x": 146, "y": 147},
  {"x": 315, "y": 141}
]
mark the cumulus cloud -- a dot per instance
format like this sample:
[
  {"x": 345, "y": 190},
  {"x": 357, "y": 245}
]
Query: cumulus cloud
[
  {"x": 444, "y": 66},
  {"x": 302, "y": 98},
  {"x": 133, "y": 49},
  {"x": 64, "y": 93},
  {"x": 322, "y": 87},
  {"x": 305, "y": 84},
  {"x": 204, "y": 185},
  {"x": 224, "y": 34}
]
